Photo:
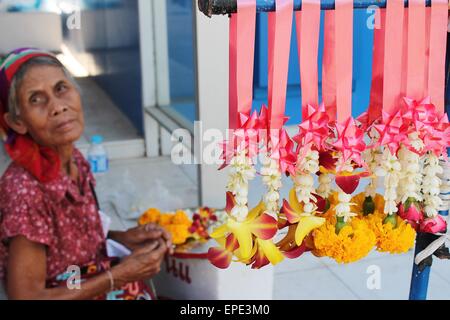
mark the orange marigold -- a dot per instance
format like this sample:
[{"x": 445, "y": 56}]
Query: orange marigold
[
  {"x": 181, "y": 217},
  {"x": 165, "y": 219},
  {"x": 353, "y": 242},
  {"x": 150, "y": 216},
  {"x": 389, "y": 239},
  {"x": 179, "y": 232}
]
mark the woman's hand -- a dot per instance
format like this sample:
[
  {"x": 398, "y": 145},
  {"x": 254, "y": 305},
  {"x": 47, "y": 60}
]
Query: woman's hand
[
  {"x": 137, "y": 237},
  {"x": 142, "y": 264}
]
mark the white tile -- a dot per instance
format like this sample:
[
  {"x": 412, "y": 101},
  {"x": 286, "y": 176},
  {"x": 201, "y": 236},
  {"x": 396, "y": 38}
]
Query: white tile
[
  {"x": 306, "y": 261},
  {"x": 395, "y": 280},
  {"x": 441, "y": 267},
  {"x": 310, "y": 284},
  {"x": 395, "y": 276},
  {"x": 438, "y": 287}
]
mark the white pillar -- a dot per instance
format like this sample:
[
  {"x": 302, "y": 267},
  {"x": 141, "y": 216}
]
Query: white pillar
[
  {"x": 212, "y": 72},
  {"x": 146, "y": 31}
]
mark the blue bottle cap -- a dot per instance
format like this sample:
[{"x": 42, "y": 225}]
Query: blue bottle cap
[{"x": 96, "y": 139}]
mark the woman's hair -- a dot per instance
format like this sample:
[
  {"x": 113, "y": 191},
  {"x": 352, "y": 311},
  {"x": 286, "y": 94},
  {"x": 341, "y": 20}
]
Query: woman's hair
[{"x": 13, "y": 103}]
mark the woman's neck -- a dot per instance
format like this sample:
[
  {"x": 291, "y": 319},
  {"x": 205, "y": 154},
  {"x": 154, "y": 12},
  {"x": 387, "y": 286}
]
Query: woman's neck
[{"x": 65, "y": 155}]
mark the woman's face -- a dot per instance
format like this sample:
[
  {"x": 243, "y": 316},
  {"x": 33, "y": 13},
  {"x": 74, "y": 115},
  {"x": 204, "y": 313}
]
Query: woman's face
[{"x": 50, "y": 107}]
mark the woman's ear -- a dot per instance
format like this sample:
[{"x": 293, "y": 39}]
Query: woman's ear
[{"x": 16, "y": 124}]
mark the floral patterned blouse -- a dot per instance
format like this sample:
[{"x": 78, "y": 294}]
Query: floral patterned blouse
[{"x": 62, "y": 215}]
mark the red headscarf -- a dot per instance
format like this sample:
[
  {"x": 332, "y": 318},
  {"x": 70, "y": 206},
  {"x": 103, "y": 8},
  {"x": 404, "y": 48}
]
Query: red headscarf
[{"x": 42, "y": 162}]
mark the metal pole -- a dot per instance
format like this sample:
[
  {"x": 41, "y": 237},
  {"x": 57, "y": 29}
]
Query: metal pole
[
  {"x": 421, "y": 274},
  {"x": 217, "y": 7}
]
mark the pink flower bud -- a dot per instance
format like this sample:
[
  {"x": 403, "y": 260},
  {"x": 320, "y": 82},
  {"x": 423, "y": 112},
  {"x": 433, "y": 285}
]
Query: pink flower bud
[
  {"x": 434, "y": 225},
  {"x": 410, "y": 212}
]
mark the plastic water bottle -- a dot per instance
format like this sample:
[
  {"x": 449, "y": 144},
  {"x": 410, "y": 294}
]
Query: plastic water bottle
[{"x": 98, "y": 157}]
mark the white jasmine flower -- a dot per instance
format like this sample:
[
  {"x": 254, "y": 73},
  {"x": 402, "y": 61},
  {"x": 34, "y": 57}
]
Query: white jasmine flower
[
  {"x": 239, "y": 213},
  {"x": 431, "y": 185},
  {"x": 324, "y": 189}
]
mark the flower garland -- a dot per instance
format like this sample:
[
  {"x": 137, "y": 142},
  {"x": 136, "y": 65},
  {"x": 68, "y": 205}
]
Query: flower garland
[
  {"x": 372, "y": 157},
  {"x": 307, "y": 167},
  {"x": 324, "y": 189},
  {"x": 410, "y": 197},
  {"x": 271, "y": 177},
  {"x": 431, "y": 191},
  {"x": 241, "y": 172},
  {"x": 390, "y": 169}
]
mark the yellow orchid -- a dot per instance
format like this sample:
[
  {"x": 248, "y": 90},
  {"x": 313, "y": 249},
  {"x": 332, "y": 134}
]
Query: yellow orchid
[
  {"x": 297, "y": 215},
  {"x": 266, "y": 253},
  {"x": 257, "y": 224}
]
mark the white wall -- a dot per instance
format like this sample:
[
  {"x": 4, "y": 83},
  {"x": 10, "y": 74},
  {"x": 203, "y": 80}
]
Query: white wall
[{"x": 30, "y": 29}]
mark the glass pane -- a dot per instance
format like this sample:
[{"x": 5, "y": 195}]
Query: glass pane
[{"x": 180, "y": 25}]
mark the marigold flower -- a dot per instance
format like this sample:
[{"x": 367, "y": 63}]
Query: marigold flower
[
  {"x": 181, "y": 217},
  {"x": 354, "y": 241},
  {"x": 150, "y": 216},
  {"x": 398, "y": 239}
]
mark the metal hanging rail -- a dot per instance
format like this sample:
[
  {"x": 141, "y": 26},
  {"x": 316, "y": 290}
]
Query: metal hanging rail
[{"x": 218, "y": 7}]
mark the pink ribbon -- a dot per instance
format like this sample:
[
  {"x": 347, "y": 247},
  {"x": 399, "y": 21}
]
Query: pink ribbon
[
  {"x": 308, "y": 29},
  {"x": 376, "y": 92},
  {"x": 350, "y": 141},
  {"x": 329, "y": 66},
  {"x": 242, "y": 48},
  {"x": 392, "y": 83},
  {"x": 344, "y": 58},
  {"x": 314, "y": 130},
  {"x": 282, "y": 149},
  {"x": 280, "y": 29},
  {"x": 437, "y": 45},
  {"x": 393, "y": 131},
  {"x": 247, "y": 137},
  {"x": 415, "y": 86},
  {"x": 431, "y": 125},
  {"x": 338, "y": 61}
]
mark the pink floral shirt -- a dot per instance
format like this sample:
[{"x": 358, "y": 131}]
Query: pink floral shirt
[{"x": 60, "y": 215}]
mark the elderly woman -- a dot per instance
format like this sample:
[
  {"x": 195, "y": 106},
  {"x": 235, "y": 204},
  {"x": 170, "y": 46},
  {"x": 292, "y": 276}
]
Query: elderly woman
[{"x": 49, "y": 218}]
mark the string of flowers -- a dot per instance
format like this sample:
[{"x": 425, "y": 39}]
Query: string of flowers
[
  {"x": 390, "y": 169},
  {"x": 411, "y": 180},
  {"x": 271, "y": 177},
  {"x": 307, "y": 166},
  {"x": 431, "y": 185},
  {"x": 241, "y": 172}
]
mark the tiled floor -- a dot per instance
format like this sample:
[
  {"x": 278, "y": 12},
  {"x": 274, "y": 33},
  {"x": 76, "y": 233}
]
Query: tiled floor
[{"x": 311, "y": 278}]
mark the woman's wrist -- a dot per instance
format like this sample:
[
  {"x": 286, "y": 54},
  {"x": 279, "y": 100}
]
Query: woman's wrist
[{"x": 118, "y": 276}]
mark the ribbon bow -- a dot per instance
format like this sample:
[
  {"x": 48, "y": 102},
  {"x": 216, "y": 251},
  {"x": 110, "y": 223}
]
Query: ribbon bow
[
  {"x": 350, "y": 141},
  {"x": 393, "y": 131},
  {"x": 432, "y": 127},
  {"x": 314, "y": 130}
]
